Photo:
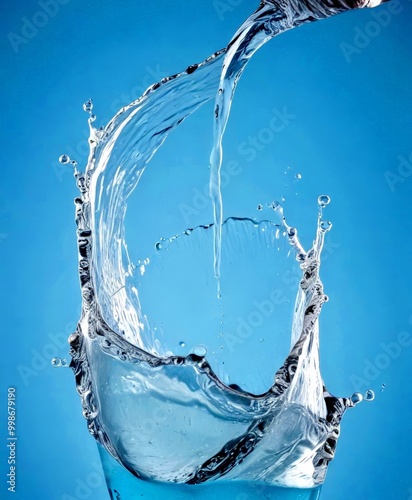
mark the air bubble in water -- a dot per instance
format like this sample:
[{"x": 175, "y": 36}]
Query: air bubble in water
[
  {"x": 356, "y": 397},
  {"x": 326, "y": 225},
  {"x": 182, "y": 344},
  {"x": 298, "y": 176},
  {"x": 369, "y": 395},
  {"x": 88, "y": 106},
  {"x": 58, "y": 362},
  {"x": 383, "y": 387},
  {"x": 260, "y": 206},
  {"x": 200, "y": 350},
  {"x": 64, "y": 159},
  {"x": 323, "y": 200},
  {"x": 92, "y": 118}
]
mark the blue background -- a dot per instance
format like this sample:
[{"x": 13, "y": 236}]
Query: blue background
[{"x": 352, "y": 124}]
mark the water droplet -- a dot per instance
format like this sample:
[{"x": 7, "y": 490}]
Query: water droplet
[
  {"x": 88, "y": 106},
  {"x": 275, "y": 205},
  {"x": 283, "y": 199},
  {"x": 325, "y": 298},
  {"x": 58, "y": 362},
  {"x": 64, "y": 159},
  {"x": 369, "y": 395},
  {"x": 260, "y": 206},
  {"x": 158, "y": 246},
  {"x": 92, "y": 118},
  {"x": 325, "y": 225},
  {"x": 323, "y": 200},
  {"x": 383, "y": 387},
  {"x": 188, "y": 231},
  {"x": 73, "y": 163},
  {"x": 200, "y": 350},
  {"x": 356, "y": 397},
  {"x": 298, "y": 176},
  {"x": 182, "y": 344}
]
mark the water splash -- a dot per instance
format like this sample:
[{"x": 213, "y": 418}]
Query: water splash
[
  {"x": 141, "y": 401},
  {"x": 296, "y": 419}
]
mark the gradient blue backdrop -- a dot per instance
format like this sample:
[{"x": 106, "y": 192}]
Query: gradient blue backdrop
[{"x": 352, "y": 126}]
